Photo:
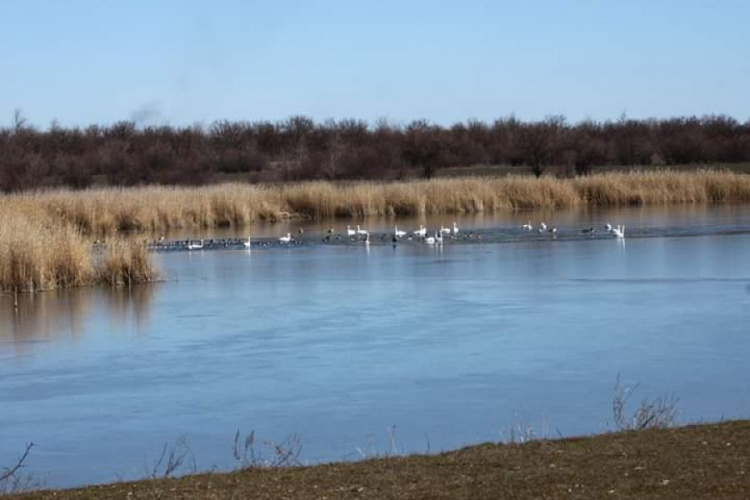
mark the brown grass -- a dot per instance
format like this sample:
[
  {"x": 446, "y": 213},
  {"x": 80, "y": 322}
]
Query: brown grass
[
  {"x": 705, "y": 461},
  {"x": 38, "y": 253},
  {"x": 43, "y": 234},
  {"x": 102, "y": 212}
]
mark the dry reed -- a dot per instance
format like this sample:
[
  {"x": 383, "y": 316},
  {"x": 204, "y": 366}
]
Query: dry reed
[
  {"x": 105, "y": 212},
  {"x": 43, "y": 236}
]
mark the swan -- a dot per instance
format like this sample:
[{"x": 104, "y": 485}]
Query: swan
[
  {"x": 350, "y": 231},
  {"x": 553, "y": 230},
  {"x": 286, "y": 239},
  {"x": 608, "y": 227},
  {"x": 455, "y": 228},
  {"x": 542, "y": 227},
  {"x": 444, "y": 230},
  {"x": 430, "y": 240},
  {"x": 619, "y": 231},
  {"x": 528, "y": 226},
  {"x": 422, "y": 231},
  {"x": 362, "y": 232},
  {"x": 439, "y": 238},
  {"x": 247, "y": 243},
  {"x": 195, "y": 246},
  {"x": 397, "y": 233}
]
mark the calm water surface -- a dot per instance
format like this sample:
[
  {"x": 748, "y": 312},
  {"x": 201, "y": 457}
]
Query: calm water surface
[{"x": 339, "y": 343}]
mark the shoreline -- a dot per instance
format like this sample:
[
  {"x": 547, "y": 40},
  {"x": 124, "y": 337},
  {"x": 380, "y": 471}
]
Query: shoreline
[{"x": 695, "y": 461}]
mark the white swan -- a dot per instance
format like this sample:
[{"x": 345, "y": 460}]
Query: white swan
[
  {"x": 608, "y": 227},
  {"x": 350, "y": 231},
  {"x": 195, "y": 246},
  {"x": 542, "y": 227},
  {"x": 398, "y": 233},
  {"x": 362, "y": 232},
  {"x": 455, "y": 228},
  {"x": 444, "y": 230},
  {"x": 528, "y": 226},
  {"x": 619, "y": 231},
  {"x": 439, "y": 238},
  {"x": 421, "y": 232},
  {"x": 430, "y": 240},
  {"x": 247, "y": 243},
  {"x": 286, "y": 239}
]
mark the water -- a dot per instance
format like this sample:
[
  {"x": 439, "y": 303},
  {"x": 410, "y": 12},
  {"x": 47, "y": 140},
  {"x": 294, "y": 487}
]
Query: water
[{"x": 339, "y": 343}]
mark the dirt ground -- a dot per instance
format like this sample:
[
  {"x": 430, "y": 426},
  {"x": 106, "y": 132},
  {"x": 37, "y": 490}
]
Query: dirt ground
[{"x": 701, "y": 461}]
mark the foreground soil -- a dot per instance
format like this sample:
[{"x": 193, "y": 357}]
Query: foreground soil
[{"x": 703, "y": 461}]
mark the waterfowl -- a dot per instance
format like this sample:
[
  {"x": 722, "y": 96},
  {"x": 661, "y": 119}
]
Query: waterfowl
[
  {"x": 247, "y": 243},
  {"x": 430, "y": 240},
  {"x": 528, "y": 226},
  {"x": 350, "y": 231},
  {"x": 619, "y": 231},
  {"x": 608, "y": 227},
  {"x": 590, "y": 230},
  {"x": 552, "y": 230},
  {"x": 192, "y": 245},
  {"x": 444, "y": 230},
  {"x": 455, "y": 228},
  {"x": 398, "y": 233},
  {"x": 421, "y": 232},
  {"x": 542, "y": 227},
  {"x": 439, "y": 238},
  {"x": 286, "y": 239},
  {"x": 362, "y": 232}
]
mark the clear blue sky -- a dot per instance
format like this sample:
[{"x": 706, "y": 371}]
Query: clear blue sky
[{"x": 181, "y": 61}]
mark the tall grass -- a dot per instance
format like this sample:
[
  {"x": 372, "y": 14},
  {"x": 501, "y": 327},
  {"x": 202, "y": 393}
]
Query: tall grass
[
  {"x": 104, "y": 212},
  {"x": 38, "y": 253},
  {"x": 45, "y": 237}
]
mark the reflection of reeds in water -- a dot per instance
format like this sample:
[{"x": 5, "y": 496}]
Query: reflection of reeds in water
[
  {"x": 60, "y": 314},
  {"x": 103, "y": 212}
]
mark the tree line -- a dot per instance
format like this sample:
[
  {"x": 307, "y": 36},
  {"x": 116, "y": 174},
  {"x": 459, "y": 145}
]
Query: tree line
[{"x": 124, "y": 154}]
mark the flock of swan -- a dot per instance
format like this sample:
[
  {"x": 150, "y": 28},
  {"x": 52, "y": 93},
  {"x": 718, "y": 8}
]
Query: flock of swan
[{"x": 361, "y": 235}]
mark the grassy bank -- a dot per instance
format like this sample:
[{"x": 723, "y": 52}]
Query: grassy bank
[
  {"x": 39, "y": 253},
  {"x": 703, "y": 461},
  {"x": 102, "y": 212}
]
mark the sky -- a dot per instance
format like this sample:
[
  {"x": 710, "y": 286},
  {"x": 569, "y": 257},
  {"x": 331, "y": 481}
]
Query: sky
[{"x": 181, "y": 62}]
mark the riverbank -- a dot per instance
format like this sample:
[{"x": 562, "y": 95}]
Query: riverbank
[
  {"x": 700, "y": 461},
  {"x": 105, "y": 212}
]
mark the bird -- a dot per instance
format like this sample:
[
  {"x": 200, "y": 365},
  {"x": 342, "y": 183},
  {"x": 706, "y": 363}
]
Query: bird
[
  {"x": 362, "y": 232},
  {"x": 350, "y": 231},
  {"x": 590, "y": 230},
  {"x": 439, "y": 238},
  {"x": 247, "y": 243},
  {"x": 608, "y": 227},
  {"x": 286, "y": 239},
  {"x": 301, "y": 230},
  {"x": 528, "y": 226},
  {"x": 455, "y": 228},
  {"x": 398, "y": 233},
  {"x": 421, "y": 232},
  {"x": 367, "y": 240},
  {"x": 552, "y": 230},
  {"x": 542, "y": 227},
  {"x": 192, "y": 245},
  {"x": 619, "y": 231},
  {"x": 330, "y": 230},
  {"x": 444, "y": 230},
  {"x": 430, "y": 240}
]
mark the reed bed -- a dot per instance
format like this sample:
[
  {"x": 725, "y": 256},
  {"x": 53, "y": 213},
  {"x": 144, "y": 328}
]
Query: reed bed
[
  {"x": 105, "y": 212},
  {"x": 38, "y": 253}
]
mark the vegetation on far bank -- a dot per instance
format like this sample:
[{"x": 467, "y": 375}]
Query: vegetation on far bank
[
  {"x": 296, "y": 149},
  {"x": 700, "y": 461},
  {"x": 46, "y": 236}
]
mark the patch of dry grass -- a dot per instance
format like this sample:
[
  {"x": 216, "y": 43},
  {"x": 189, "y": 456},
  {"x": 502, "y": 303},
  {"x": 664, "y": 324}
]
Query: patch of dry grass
[
  {"x": 38, "y": 253},
  {"x": 102, "y": 212}
]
